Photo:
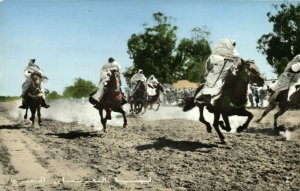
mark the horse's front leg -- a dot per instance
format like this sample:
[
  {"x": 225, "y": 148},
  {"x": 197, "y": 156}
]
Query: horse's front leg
[
  {"x": 103, "y": 120},
  {"x": 283, "y": 107},
  {"x": 216, "y": 126},
  {"x": 120, "y": 110},
  {"x": 32, "y": 118},
  {"x": 244, "y": 112},
  {"x": 26, "y": 112},
  {"x": 39, "y": 115},
  {"x": 226, "y": 127},
  {"x": 202, "y": 119},
  {"x": 271, "y": 106},
  {"x": 158, "y": 105}
]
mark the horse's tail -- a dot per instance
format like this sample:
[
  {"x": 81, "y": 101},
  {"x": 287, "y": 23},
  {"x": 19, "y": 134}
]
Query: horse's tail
[{"x": 187, "y": 104}]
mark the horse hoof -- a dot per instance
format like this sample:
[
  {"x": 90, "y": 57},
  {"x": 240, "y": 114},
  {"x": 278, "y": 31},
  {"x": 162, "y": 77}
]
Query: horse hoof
[
  {"x": 223, "y": 142},
  {"x": 240, "y": 129},
  {"x": 208, "y": 130},
  {"x": 279, "y": 128}
]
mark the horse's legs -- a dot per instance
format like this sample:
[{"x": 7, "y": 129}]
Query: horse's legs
[
  {"x": 202, "y": 119},
  {"x": 108, "y": 114},
  {"x": 103, "y": 120},
  {"x": 271, "y": 106},
  {"x": 283, "y": 107},
  {"x": 244, "y": 112},
  {"x": 216, "y": 126},
  {"x": 120, "y": 110},
  {"x": 158, "y": 105},
  {"x": 39, "y": 115},
  {"x": 145, "y": 108},
  {"x": 26, "y": 112},
  {"x": 226, "y": 127},
  {"x": 32, "y": 118}
]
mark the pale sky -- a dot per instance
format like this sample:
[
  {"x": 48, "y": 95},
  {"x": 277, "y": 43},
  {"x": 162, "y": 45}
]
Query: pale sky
[{"x": 73, "y": 38}]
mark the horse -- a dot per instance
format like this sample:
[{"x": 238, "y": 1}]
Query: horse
[
  {"x": 34, "y": 97},
  {"x": 280, "y": 99},
  {"x": 232, "y": 101},
  {"x": 111, "y": 100},
  {"x": 152, "y": 100},
  {"x": 138, "y": 97}
]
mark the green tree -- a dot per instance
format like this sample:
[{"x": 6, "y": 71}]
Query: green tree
[
  {"x": 53, "y": 95},
  {"x": 192, "y": 55},
  {"x": 283, "y": 44},
  {"x": 153, "y": 50},
  {"x": 81, "y": 88}
]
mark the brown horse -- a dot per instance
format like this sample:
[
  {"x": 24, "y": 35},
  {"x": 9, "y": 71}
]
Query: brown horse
[
  {"x": 34, "y": 97},
  {"x": 152, "y": 100},
  {"x": 111, "y": 100},
  {"x": 138, "y": 97},
  {"x": 232, "y": 101},
  {"x": 280, "y": 99}
]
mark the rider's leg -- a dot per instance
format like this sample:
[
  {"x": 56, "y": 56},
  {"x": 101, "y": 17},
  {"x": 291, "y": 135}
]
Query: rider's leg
[
  {"x": 24, "y": 103},
  {"x": 44, "y": 104}
]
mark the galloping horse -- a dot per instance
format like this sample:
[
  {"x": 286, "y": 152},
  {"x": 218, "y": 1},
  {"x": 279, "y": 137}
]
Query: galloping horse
[
  {"x": 280, "y": 98},
  {"x": 111, "y": 100},
  {"x": 232, "y": 101},
  {"x": 154, "y": 99},
  {"x": 34, "y": 97},
  {"x": 138, "y": 97}
]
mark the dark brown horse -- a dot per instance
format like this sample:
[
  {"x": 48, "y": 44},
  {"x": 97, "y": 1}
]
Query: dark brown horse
[
  {"x": 280, "y": 99},
  {"x": 154, "y": 100},
  {"x": 232, "y": 101},
  {"x": 138, "y": 97},
  {"x": 111, "y": 100},
  {"x": 34, "y": 97}
]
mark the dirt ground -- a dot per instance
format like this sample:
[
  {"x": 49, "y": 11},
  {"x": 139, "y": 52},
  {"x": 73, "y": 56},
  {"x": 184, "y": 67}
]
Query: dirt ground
[{"x": 164, "y": 155}]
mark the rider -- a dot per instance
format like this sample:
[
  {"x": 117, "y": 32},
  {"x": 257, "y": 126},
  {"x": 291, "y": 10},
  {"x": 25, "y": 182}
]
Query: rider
[
  {"x": 152, "y": 83},
  {"x": 31, "y": 68},
  {"x": 139, "y": 76},
  {"x": 224, "y": 58},
  {"x": 289, "y": 78},
  {"x": 104, "y": 78}
]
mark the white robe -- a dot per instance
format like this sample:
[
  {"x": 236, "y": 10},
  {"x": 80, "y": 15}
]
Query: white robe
[
  {"x": 31, "y": 68},
  {"x": 104, "y": 78},
  {"x": 288, "y": 78}
]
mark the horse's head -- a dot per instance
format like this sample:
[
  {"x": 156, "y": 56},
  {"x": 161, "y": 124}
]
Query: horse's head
[
  {"x": 159, "y": 88},
  {"x": 114, "y": 79},
  {"x": 36, "y": 79},
  {"x": 141, "y": 85},
  {"x": 248, "y": 70}
]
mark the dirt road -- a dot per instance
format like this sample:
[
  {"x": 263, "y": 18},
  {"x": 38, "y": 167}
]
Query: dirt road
[{"x": 164, "y": 155}]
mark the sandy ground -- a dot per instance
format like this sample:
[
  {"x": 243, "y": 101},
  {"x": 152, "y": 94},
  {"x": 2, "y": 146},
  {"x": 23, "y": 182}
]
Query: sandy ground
[{"x": 163, "y": 154}]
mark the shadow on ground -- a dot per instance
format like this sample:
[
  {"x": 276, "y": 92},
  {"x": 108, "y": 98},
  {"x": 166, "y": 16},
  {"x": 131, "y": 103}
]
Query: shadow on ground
[
  {"x": 163, "y": 142},
  {"x": 74, "y": 135},
  {"x": 16, "y": 126}
]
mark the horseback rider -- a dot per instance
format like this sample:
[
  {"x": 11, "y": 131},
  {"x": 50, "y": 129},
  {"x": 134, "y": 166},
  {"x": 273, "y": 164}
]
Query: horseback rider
[
  {"x": 289, "y": 78},
  {"x": 29, "y": 70},
  {"x": 105, "y": 72},
  {"x": 139, "y": 76},
  {"x": 152, "y": 83},
  {"x": 224, "y": 58}
]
